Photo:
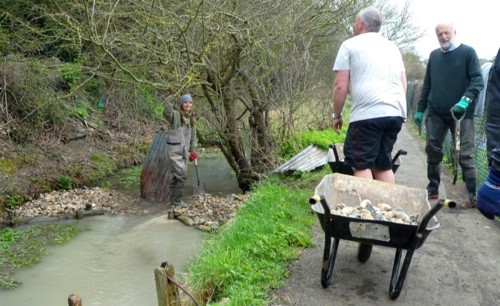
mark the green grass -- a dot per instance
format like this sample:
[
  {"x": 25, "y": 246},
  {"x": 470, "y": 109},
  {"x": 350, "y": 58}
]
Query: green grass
[
  {"x": 299, "y": 140},
  {"x": 302, "y": 140},
  {"x": 24, "y": 248},
  {"x": 103, "y": 165},
  {"x": 248, "y": 257}
]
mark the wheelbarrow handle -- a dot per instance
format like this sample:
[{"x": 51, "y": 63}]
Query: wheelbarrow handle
[
  {"x": 334, "y": 149},
  {"x": 428, "y": 216},
  {"x": 398, "y": 153},
  {"x": 314, "y": 199},
  {"x": 319, "y": 198}
]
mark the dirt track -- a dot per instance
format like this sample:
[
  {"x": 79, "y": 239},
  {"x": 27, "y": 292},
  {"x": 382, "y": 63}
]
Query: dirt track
[{"x": 459, "y": 263}]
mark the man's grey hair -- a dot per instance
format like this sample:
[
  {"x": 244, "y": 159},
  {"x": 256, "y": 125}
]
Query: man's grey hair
[{"x": 372, "y": 19}]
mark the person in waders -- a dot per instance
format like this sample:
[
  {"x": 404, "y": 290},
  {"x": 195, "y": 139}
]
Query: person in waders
[{"x": 182, "y": 143}]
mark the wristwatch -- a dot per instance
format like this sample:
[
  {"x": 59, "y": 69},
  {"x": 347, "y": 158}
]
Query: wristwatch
[{"x": 339, "y": 117}]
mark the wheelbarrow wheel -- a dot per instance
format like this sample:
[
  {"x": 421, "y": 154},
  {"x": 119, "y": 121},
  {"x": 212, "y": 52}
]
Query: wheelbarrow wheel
[{"x": 364, "y": 252}]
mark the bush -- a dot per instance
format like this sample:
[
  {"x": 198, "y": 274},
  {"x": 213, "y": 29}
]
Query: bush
[
  {"x": 71, "y": 73},
  {"x": 64, "y": 182}
]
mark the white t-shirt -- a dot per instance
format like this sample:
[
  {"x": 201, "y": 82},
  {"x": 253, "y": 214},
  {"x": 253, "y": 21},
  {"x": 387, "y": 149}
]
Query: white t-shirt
[
  {"x": 375, "y": 65},
  {"x": 485, "y": 72}
]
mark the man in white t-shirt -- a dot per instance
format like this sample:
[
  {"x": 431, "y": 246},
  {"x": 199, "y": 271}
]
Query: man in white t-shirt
[{"x": 370, "y": 68}]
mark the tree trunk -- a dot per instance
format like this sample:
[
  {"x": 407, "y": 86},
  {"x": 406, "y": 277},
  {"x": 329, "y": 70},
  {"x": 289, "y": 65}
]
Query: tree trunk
[
  {"x": 156, "y": 173},
  {"x": 260, "y": 147},
  {"x": 245, "y": 175}
]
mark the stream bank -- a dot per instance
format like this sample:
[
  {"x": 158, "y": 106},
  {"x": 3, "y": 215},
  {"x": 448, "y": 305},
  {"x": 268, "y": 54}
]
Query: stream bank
[
  {"x": 117, "y": 214},
  {"x": 206, "y": 211}
]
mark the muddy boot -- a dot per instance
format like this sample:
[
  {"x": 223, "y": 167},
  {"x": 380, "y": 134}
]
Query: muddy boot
[
  {"x": 472, "y": 203},
  {"x": 176, "y": 196},
  {"x": 434, "y": 176},
  {"x": 171, "y": 198},
  {"x": 470, "y": 184}
]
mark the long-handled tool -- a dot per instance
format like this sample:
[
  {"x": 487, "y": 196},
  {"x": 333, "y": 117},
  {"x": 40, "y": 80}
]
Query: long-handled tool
[
  {"x": 199, "y": 189},
  {"x": 456, "y": 140}
]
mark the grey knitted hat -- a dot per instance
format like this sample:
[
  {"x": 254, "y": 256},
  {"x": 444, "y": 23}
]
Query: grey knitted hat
[{"x": 185, "y": 98}]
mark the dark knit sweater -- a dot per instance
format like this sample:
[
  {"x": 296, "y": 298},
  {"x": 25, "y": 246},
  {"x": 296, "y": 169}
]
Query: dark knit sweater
[{"x": 448, "y": 77}]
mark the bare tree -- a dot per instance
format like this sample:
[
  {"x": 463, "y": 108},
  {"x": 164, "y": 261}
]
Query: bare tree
[
  {"x": 246, "y": 62},
  {"x": 398, "y": 24}
]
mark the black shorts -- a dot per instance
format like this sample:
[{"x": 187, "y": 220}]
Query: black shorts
[{"x": 369, "y": 143}]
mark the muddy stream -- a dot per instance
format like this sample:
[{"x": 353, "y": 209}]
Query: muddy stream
[{"x": 113, "y": 260}]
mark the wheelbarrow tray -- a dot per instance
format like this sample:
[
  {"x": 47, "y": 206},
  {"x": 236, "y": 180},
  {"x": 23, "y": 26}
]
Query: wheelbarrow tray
[{"x": 350, "y": 190}]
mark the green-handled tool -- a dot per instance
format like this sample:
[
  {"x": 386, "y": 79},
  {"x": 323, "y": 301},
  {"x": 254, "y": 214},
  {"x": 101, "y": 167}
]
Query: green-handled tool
[{"x": 456, "y": 141}]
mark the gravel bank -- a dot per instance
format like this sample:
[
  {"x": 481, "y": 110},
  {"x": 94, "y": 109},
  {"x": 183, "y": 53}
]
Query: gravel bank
[{"x": 205, "y": 212}]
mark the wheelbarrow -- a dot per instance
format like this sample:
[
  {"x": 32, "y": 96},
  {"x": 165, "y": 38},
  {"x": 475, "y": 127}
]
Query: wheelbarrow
[
  {"x": 338, "y": 166},
  {"x": 350, "y": 190}
]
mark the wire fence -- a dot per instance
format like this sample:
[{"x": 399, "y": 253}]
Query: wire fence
[{"x": 480, "y": 154}]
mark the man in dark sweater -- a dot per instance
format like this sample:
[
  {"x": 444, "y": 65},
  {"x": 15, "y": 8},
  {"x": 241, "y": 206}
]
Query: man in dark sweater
[{"x": 452, "y": 82}]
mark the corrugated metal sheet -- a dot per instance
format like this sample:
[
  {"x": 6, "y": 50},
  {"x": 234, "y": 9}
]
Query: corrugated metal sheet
[
  {"x": 308, "y": 159},
  {"x": 314, "y": 157}
]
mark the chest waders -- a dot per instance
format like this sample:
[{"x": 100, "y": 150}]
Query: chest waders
[{"x": 178, "y": 143}]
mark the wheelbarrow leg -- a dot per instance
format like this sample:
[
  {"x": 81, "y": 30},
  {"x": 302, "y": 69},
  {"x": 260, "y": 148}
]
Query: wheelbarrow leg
[
  {"x": 395, "y": 270},
  {"x": 328, "y": 257},
  {"x": 328, "y": 260},
  {"x": 398, "y": 277}
]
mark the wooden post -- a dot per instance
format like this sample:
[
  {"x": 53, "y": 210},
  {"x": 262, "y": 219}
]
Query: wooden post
[
  {"x": 166, "y": 291},
  {"x": 74, "y": 300},
  {"x": 156, "y": 173}
]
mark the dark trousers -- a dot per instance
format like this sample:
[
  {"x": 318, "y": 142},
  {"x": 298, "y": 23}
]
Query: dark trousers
[{"x": 437, "y": 129}]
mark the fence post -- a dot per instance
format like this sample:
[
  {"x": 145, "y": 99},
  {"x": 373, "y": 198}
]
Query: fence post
[
  {"x": 166, "y": 291},
  {"x": 74, "y": 300}
]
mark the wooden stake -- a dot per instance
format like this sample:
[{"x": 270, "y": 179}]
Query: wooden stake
[
  {"x": 74, "y": 300},
  {"x": 166, "y": 291}
]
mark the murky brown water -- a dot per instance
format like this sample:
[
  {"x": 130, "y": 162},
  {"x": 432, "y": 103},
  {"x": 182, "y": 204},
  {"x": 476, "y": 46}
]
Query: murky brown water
[
  {"x": 111, "y": 264},
  {"x": 215, "y": 175}
]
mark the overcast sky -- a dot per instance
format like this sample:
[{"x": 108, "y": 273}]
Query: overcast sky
[{"x": 476, "y": 23}]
